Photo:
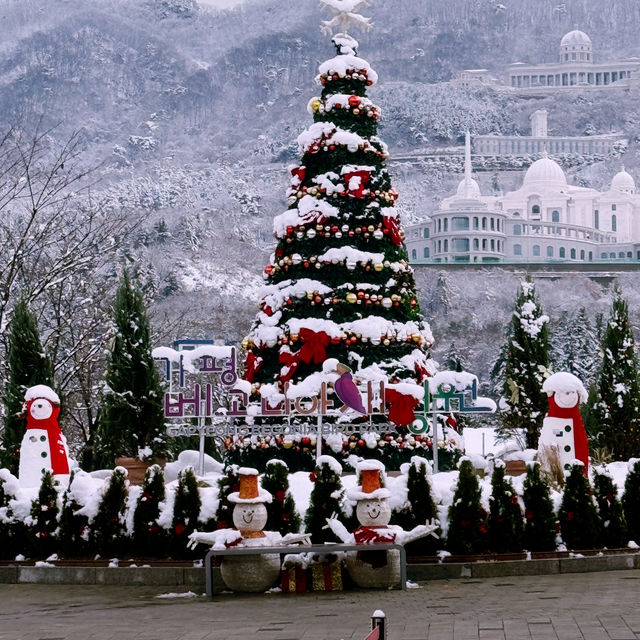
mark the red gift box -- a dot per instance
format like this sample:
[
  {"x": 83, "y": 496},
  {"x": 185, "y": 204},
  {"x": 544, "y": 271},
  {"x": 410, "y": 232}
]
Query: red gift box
[
  {"x": 294, "y": 580},
  {"x": 326, "y": 576}
]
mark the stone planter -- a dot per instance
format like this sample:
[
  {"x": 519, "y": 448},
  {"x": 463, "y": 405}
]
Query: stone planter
[{"x": 137, "y": 468}]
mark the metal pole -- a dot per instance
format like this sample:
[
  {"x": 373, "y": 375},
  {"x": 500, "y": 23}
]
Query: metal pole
[
  {"x": 201, "y": 457},
  {"x": 434, "y": 430},
  {"x": 319, "y": 438},
  {"x": 378, "y": 620}
]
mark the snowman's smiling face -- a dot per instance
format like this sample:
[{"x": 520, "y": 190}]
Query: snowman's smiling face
[
  {"x": 41, "y": 409},
  {"x": 566, "y": 399},
  {"x": 250, "y": 517},
  {"x": 373, "y": 512}
]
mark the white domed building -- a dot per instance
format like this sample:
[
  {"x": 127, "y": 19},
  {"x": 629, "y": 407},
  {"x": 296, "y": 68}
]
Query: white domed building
[
  {"x": 575, "y": 68},
  {"x": 545, "y": 220}
]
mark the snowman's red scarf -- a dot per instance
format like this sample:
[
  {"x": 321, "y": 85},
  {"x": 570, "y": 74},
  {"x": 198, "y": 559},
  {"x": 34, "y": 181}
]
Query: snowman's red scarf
[
  {"x": 581, "y": 444},
  {"x": 374, "y": 535},
  {"x": 59, "y": 460},
  {"x": 245, "y": 533}
]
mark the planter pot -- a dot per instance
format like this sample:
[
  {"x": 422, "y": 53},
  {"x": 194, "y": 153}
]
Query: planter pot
[{"x": 136, "y": 468}]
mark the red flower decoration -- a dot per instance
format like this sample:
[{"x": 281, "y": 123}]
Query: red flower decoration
[
  {"x": 313, "y": 476},
  {"x": 280, "y": 496},
  {"x": 222, "y": 524},
  {"x": 179, "y": 529},
  {"x": 286, "y": 517},
  {"x": 570, "y": 515},
  {"x": 528, "y": 514}
]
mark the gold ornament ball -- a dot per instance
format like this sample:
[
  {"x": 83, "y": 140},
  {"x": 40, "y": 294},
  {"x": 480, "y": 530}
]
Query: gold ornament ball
[{"x": 351, "y": 298}]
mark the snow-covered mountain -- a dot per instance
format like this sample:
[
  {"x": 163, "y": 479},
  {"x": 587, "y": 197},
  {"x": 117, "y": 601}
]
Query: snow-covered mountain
[{"x": 192, "y": 115}]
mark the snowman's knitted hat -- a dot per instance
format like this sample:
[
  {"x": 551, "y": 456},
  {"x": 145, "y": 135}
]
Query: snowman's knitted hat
[
  {"x": 249, "y": 492},
  {"x": 371, "y": 479}
]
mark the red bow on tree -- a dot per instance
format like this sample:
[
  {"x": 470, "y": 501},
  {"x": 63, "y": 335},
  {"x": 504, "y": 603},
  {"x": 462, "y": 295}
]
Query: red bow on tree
[
  {"x": 314, "y": 346},
  {"x": 252, "y": 364},
  {"x": 364, "y": 179},
  {"x": 299, "y": 172},
  {"x": 422, "y": 372},
  {"x": 291, "y": 361},
  {"x": 394, "y": 229},
  {"x": 401, "y": 407}
]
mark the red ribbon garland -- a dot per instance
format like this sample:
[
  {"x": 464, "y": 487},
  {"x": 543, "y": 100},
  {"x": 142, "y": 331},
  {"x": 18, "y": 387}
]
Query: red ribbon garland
[
  {"x": 290, "y": 360},
  {"x": 252, "y": 364},
  {"x": 401, "y": 407},
  {"x": 314, "y": 346},
  {"x": 394, "y": 229}
]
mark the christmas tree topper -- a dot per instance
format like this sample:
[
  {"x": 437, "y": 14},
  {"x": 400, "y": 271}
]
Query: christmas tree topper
[{"x": 345, "y": 15}]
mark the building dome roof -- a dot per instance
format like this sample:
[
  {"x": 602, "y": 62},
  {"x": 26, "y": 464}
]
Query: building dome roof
[
  {"x": 468, "y": 188},
  {"x": 623, "y": 181},
  {"x": 575, "y": 37},
  {"x": 545, "y": 171}
]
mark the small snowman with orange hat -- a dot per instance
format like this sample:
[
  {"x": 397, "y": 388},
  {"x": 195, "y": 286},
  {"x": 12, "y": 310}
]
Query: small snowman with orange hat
[
  {"x": 379, "y": 569},
  {"x": 248, "y": 573}
]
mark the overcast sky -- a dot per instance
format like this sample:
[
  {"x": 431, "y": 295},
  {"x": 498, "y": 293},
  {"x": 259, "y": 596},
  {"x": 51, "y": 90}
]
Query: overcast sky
[{"x": 219, "y": 4}]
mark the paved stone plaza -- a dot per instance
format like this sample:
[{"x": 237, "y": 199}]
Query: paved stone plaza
[{"x": 592, "y": 606}]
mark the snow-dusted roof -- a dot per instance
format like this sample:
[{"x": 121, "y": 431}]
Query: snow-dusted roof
[
  {"x": 575, "y": 37},
  {"x": 624, "y": 182},
  {"x": 545, "y": 171}
]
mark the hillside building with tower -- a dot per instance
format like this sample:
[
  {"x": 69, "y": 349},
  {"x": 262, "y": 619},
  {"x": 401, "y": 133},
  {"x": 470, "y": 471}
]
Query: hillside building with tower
[
  {"x": 545, "y": 219},
  {"x": 575, "y": 67},
  {"x": 540, "y": 141}
]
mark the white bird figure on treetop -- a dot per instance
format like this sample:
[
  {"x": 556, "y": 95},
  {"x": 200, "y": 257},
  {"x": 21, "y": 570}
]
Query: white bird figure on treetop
[{"x": 345, "y": 15}]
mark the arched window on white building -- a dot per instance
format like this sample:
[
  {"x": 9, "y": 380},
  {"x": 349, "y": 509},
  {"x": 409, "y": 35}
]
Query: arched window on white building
[
  {"x": 414, "y": 254},
  {"x": 426, "y": 252},
  {"x": 614, "y": 223},
  {"x": 549, "y": 252},
  {"x": 517, "y": 229},
  {"x": 573, "y": 254},
  {"x": 425, "y": 232},
  {"x": 596, "y": 219},
  {"x": 517, "y": 249},
  {"x": 555, "y": 216},
  {"x": 536, "y": 250},
  {"x": 563, "y": 253}
]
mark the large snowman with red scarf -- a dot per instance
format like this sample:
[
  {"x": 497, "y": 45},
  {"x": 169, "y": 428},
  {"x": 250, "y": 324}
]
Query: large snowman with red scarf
[
  {"x": 43, "y": 447},
  {"x": 562, "y": 428},
  {"x": 377, "y": 569}
]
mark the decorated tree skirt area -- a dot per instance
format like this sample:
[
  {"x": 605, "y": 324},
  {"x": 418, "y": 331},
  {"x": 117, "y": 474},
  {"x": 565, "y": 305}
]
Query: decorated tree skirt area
[{"x": 101, "y": 518}]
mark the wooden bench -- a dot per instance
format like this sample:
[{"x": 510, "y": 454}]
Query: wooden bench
[{"x": 308, "y": 548}]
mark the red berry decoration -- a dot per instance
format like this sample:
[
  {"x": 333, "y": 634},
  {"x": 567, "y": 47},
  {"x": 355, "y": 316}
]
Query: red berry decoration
[{"x": 354, "y": 101}]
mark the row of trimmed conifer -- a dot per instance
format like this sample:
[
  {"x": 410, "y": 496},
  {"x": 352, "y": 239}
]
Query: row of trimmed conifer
[{"x": 587, "y": 518}]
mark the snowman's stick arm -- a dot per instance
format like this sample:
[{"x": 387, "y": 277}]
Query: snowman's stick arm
[{"x": 421, "y": 531}]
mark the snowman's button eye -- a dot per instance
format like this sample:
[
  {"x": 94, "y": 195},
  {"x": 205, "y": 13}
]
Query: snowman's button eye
[
  {"x": 32, "y": 438},
  {"x": 43, "y": 438},
  {"x": 44, "y": 454}
]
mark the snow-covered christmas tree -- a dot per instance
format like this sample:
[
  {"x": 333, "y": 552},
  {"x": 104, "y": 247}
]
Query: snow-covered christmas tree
[
  {"x": 526, "y": 368},
  {"x": 615, "y": 412},
  {"x": 338, "y": 285}
]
